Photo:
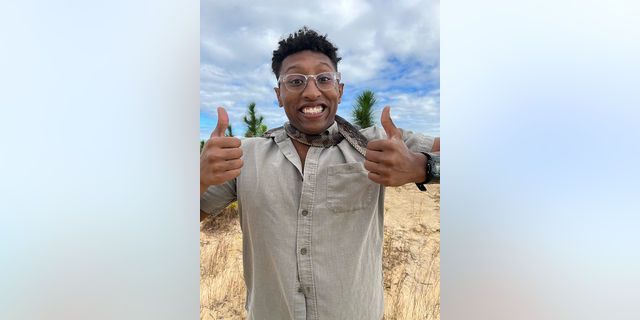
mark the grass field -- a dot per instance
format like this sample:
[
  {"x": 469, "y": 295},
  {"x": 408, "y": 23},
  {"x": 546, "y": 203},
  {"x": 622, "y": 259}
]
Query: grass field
[{"x": 411, "y": 259}]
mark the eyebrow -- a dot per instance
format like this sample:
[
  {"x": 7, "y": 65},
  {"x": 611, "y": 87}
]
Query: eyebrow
[{"x": 299, "y": 66}]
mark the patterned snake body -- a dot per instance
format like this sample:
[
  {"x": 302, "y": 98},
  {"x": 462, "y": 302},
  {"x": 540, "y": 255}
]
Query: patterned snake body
[{"x": 346, "y": 131}]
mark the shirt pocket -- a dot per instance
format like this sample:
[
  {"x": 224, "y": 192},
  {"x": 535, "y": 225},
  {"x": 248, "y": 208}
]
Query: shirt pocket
[{"x": 348, "y": 187}]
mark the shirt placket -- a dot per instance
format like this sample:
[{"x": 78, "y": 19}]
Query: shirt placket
[{"x": 305, "y": 231}]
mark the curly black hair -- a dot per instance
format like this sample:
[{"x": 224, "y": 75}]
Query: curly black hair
[{"x": 303, "y": 39}]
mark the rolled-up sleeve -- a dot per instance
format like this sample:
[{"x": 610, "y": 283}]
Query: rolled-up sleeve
[
  {"x": 416, "y": 142},
  {"x": 219, "y": 197}
]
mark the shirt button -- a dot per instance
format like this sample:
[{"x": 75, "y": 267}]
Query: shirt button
[
  {"x": 305, "y": 212},
  {"x": 303, "y": 251}
]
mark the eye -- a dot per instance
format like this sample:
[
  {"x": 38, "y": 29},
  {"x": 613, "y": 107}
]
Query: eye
[
  {"x": 295, "y": 80},
  {"x": 325, "y": 77}
]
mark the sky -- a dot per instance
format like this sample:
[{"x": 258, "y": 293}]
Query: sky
[{"x": 391, "y": 50}]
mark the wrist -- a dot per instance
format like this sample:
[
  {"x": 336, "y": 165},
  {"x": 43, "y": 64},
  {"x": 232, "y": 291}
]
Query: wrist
[
  {"x": 421, "y": 164},
  {"x": 203, "y": 189}
]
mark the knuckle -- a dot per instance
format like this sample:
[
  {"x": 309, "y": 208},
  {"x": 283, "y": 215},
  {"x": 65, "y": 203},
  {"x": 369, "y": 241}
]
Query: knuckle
[
  {"x": 384, "y": 158},
  {"x": 391, "y": 146},
  {"x": 217, "y": 178},
  {"x": 216, "y": 167}
]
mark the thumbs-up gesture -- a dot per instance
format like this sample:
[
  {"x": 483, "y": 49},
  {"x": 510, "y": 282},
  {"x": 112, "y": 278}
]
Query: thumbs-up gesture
[
  {"x": 389, "y": 161},
  {"x": 220, "y": 159}
]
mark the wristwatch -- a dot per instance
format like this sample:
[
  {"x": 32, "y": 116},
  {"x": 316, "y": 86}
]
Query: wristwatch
[{"x": 433, "y": 170}]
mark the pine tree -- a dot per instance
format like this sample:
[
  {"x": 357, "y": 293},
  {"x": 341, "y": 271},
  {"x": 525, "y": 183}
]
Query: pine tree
[
  {"x": 363, "y": 109},
  {"x": 229, "y": 132},
  {"x": 253, "y": 121}
]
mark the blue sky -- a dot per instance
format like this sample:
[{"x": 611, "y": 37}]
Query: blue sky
[{"x": 392, "y": 50}]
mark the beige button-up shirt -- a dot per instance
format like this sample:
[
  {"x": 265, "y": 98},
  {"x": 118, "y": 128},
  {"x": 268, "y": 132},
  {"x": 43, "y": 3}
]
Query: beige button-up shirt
[{"x": 312, "y": 242}]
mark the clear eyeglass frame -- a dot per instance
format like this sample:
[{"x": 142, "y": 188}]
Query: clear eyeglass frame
[{"x": 282, "y": 78}]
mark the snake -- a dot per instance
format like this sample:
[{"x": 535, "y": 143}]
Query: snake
[{"x": 346, "y": 130}]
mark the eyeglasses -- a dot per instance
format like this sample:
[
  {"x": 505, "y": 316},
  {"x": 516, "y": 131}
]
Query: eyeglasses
[{"x": 297, "y": 82}]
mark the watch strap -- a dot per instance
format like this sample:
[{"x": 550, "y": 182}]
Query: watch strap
[{"x": 431, "y": 160}]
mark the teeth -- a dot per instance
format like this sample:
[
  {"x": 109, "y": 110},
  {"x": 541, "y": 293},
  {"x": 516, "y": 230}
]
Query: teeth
[{"x": 312, "y": 110}]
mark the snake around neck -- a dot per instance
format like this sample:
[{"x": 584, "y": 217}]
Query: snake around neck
[{"x": 345, "y": 131}]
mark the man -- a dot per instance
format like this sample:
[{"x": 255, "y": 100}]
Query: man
[{"x": 311, "y": 193}]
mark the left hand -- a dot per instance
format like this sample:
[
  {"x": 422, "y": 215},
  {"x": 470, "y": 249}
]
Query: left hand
[{"x": 390, "y": 162}]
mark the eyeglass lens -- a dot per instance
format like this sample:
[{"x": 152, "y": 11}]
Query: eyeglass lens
[{"x": 297, "y": 82}]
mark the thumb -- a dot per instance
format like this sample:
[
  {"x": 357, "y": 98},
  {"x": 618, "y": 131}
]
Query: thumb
[
  {"x": 392, "y": 131},
  {"x": 223, "y": 123}
]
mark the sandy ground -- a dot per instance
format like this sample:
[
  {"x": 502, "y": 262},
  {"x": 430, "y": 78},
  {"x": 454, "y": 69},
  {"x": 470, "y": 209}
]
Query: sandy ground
[
  {"x": 414, "y": 215},
  {"x": 409, "y": 208},
  {"x": 412, "y": 259}
]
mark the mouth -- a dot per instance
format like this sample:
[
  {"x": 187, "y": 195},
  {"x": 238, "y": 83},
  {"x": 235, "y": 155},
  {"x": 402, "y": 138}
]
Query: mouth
[{"x": 313, "y": 109}]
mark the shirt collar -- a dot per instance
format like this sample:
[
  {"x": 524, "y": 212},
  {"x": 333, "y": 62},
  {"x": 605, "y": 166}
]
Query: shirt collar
[{"x": 333, "y": 129}]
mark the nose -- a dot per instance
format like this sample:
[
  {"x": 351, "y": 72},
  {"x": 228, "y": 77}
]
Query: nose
[{"x": 311, "y": 92}]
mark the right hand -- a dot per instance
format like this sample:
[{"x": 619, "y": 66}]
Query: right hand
[{"x": 220, "y": 159}]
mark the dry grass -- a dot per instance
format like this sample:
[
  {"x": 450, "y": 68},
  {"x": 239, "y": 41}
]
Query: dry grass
[
  {"x": 411, "y": 278},
  {"x": 411, "y": 271},
  {"x": 222, "y": 288}
]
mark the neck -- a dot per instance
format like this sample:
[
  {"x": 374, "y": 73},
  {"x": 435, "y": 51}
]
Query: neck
[{"x": 302, "y": 150}]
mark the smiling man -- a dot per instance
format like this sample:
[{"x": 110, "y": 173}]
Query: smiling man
[{"x": 311, "y": 193}]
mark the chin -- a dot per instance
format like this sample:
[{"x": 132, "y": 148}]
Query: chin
[{"x": 311, "y": 129}]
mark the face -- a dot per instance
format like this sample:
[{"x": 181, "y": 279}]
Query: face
[{"x": 311, "y": 110}]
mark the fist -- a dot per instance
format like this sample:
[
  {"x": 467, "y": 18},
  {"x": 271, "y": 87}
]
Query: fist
[
  {"x": 220, "y": 159},
  {"x": 389, "y": 161}
]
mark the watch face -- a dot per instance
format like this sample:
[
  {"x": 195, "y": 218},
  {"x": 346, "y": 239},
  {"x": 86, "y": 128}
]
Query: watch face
[{"x": 436, "y": 169}]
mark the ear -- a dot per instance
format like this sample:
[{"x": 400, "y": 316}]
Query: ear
[
  {"x": 277, "y": 90},
  {"x": 340, "y": 88}
]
